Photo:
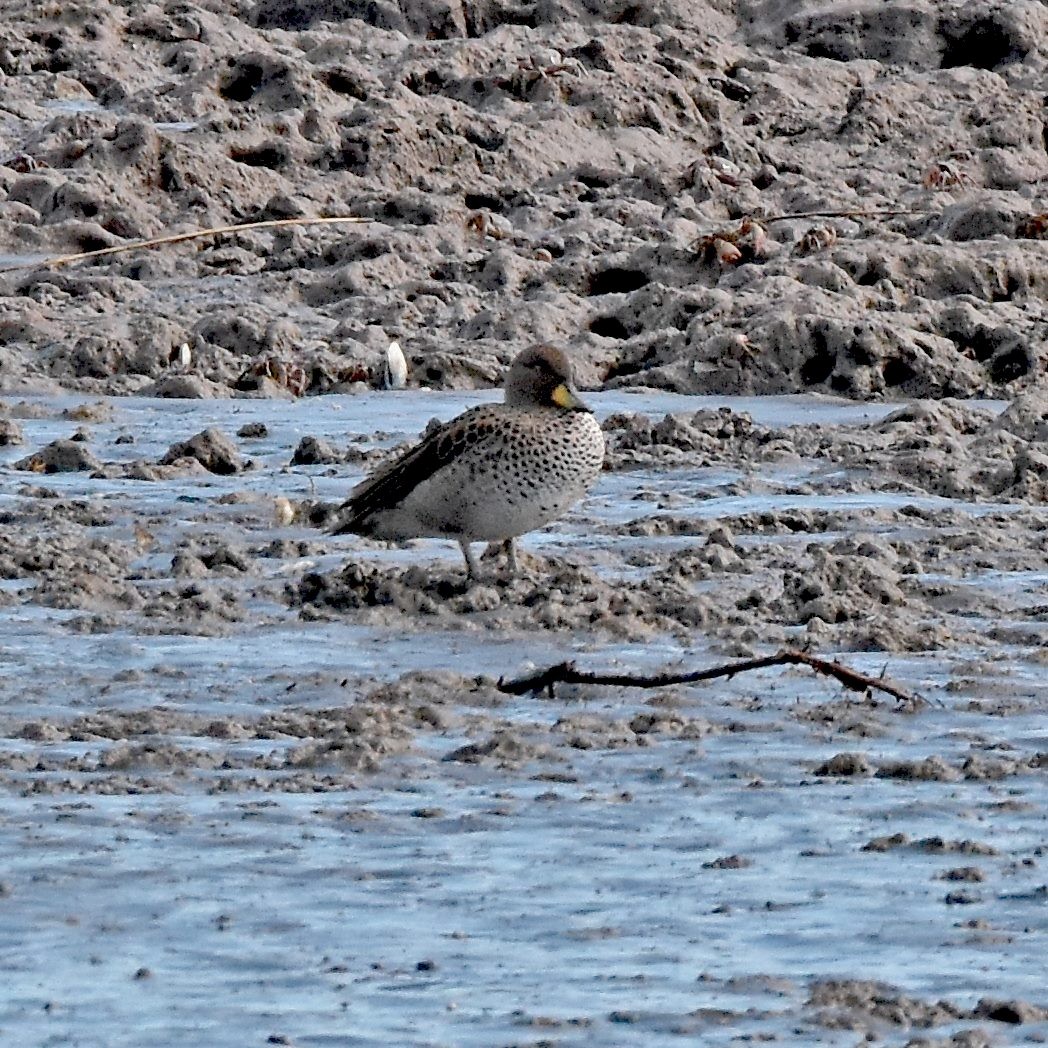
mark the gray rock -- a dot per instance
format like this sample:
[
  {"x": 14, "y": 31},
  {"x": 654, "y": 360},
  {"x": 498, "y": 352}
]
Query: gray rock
[
  {"x": 184, "y": 387},
  {"x": 60, "y": 456},
  {"x": 211, "y": 448},
  {"x": 313, "y": 451},
  {"x": 10, "y": 432}
]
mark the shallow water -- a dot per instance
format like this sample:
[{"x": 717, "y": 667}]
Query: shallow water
[
  {"x": 567, "y": 908},
  {"x": 437, "y": 903},
  {"x": 562, "y": 904}
]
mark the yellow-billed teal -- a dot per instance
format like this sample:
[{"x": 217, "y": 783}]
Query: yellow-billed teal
[{"x": 494, "y": 472}]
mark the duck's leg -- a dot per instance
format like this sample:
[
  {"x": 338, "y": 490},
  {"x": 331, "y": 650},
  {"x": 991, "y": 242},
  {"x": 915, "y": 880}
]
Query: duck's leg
[
  {"x": 472, "y": 571},
  {"x": 507, "y": 548},
  {"x": 511, "y": 556}
]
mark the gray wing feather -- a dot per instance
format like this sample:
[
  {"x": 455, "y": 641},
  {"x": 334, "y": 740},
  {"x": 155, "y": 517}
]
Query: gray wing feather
[{"x": 393, "y": 482}]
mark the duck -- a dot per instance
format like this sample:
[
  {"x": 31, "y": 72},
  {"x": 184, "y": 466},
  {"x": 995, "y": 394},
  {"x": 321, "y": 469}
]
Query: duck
[{"x": 494, "y": 472}]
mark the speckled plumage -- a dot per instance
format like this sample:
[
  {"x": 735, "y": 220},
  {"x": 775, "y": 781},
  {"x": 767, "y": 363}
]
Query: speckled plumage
[{"x": 494, "y": 472}]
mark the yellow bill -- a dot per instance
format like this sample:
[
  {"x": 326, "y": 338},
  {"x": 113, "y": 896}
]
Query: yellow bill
[{"x": 565, "y": 397}]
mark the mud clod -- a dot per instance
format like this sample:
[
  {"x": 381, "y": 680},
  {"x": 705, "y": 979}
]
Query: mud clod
[
  {"x": 211, "y": 448},
  {"x": 60, "y": 456}
]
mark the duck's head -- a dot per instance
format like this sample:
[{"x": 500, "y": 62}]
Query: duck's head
[{"x": 542, "y": 377}]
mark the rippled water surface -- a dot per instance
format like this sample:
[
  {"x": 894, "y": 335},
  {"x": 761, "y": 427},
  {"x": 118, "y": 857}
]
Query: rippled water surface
[{"x": 588, "y": 899}]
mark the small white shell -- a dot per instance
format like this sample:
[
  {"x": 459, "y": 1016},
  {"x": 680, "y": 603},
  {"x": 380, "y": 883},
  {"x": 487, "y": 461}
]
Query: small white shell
[
  {"x": 395, "y": 374},
  {"x": 283, "y": 512}
]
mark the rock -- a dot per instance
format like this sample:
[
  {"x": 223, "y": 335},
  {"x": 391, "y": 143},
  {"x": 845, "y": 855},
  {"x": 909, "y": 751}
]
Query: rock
[
  {"x": 211, "y": 448},
  {"x": 1026, "y": 417},
  {"x": 889, "y": 842},
  {"x": 931, "y": 769},
  {"x": 188, "y": 566},
  {"x": 314, "y": 451},
  {"x": 977, "y": 221},
  {"x": 503, "y": 748},
  {"x": 185, "y": 387},
  {"x": 1014, "y": 1012},
  {"x": 728, "y": 862},
  {"x": 60, "y": 456},
  {"x": 845, "y": 764},
  {"x": 10, "y": 432},
  {"x": 98, "y": 411}
]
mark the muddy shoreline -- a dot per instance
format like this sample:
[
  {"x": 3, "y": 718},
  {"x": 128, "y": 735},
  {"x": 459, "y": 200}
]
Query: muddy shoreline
[
  {"x": 227, "y": 664},
  {"x": 258, "y": 785},
  {"x": 550, "y": 175}
]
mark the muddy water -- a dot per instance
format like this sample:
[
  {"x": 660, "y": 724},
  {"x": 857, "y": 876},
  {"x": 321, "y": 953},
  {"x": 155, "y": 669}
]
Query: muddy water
[{"x": 183, "y": 811}]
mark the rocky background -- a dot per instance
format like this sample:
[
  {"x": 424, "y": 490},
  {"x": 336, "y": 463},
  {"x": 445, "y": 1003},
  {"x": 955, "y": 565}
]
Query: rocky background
[
  {"x": 258, "y": 784},
  {"x": 608, "y": 176}
]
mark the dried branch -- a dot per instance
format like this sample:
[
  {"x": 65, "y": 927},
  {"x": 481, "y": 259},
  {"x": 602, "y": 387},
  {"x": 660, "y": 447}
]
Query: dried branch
[
  {"x": 175, "y": 238},
  {"x": 566, "y": 673},
  {"x": 857, "y": 213}
]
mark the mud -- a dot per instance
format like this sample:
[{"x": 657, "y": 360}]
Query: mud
[
  {"x": 259, "y": 784},
  {"x": 527, "y": 173},
  {"x": 238, "y": 690}
]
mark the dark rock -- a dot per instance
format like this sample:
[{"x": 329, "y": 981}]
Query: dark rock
[
  {"x": 313, "y": 451},
  {"x": 211, "y": 448},
  {"x": 1014, "y": 1012},
  {"x": 845, "y": 764},
  {"x": 60, "y": 456}
]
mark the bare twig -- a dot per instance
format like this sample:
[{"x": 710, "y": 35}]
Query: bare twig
[
  {"x": 566, "y": 673},
  {"x": 858, "y": 213},
  {"x": 175, "y": 238}
]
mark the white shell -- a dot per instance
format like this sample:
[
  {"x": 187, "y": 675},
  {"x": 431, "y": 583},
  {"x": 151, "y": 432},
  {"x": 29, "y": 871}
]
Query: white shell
[
  {"x": 283, "y": 511},
  {"x": 395, "y": 375}
]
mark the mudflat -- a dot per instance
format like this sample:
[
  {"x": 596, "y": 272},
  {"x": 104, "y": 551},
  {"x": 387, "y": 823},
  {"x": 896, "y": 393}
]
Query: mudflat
[{"x": 259, "y": 784}]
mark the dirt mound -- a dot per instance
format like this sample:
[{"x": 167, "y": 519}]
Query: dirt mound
[{"x": 575, "y": 172}]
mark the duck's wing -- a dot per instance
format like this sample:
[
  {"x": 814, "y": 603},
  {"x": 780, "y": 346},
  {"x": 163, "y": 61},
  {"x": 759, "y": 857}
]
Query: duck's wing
[{"x": 390, "y": 484}]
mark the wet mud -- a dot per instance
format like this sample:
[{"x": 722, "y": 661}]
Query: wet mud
[
  {"x": 258, "y": 733},
  {"x": 259, "y": 785}
]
